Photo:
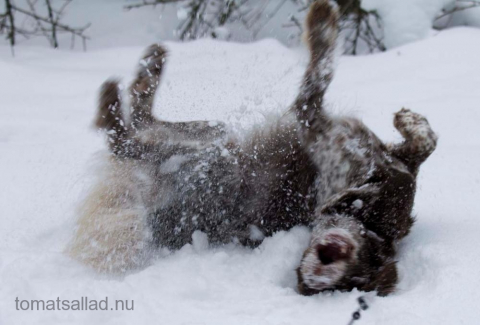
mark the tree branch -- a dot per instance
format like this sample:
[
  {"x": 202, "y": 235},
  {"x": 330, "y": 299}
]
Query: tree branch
[
  {"x": 150, "y": 3},
  {"x": 77, "y": 31},
  {"x": 53, "y": 21},
  {"x": 11, "y": 26},
  {"x": 9, "y": 14},
  {"x": 445, "y": 13}
]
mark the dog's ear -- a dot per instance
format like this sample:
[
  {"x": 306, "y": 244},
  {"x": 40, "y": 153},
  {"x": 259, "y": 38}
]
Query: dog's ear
[{"x": 386, "y": 279}]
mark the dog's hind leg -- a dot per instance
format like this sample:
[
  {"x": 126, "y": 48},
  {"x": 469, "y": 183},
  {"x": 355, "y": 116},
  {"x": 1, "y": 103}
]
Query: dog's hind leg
[
  {"x": 145, "y": 85},
  {"x": 110, "y": 117},
  {"x": 321, "y": 35},
  {"x": 145, "y": 137},
  {"x": 143, "y": 90},
  {"x": 121, "y": 139},
  {"x": 420, "y": 140}
]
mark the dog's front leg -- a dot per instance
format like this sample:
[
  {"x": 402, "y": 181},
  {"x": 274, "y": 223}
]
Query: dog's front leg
[{"x": 420, "y": 140}]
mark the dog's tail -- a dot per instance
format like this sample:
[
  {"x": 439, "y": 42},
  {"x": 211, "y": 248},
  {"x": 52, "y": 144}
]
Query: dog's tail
[
  {"x": 109, "y": 116},
  {"x": 321, "y": 30}
]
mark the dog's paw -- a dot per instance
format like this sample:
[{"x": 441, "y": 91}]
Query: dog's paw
[
  {"x": 153, "y": 60},
  {"x": 408, "y": 123},
  {"x": 416, "y": 130}
]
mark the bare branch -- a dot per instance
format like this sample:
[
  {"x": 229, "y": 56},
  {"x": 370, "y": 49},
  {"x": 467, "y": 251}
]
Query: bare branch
[
  {"x": 10, "y": 25},
  {"x": 77, "y": 31},
  {"x": 11, "y": 19},
  {"x": 457, "y": 8},
  {"x": 39, "y": 23},
  {"x": 60, "y": 10},
  {"x": 204, "y": 16},
  {"x": 296, "y": 23},
  {"x": 53, "y": 22},
  {"x": 150, "y": 3}
]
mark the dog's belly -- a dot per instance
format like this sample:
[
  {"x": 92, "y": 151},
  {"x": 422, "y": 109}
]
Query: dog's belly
[{"x": 195, "y": 192}]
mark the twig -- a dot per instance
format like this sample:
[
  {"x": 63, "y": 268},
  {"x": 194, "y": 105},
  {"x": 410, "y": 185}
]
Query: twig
[
  {"x": 9, "y": 23},
  {"x": 58, "y": 27},
  {"x": 150, "y": 3},
  {"x": 39, "y": 23},
  {"x": 54, "y": 24},
  {"x": 297, "y": 23},
  {"x": 194, "y": 12},
  {"x": 60, "y": 11},
  {"x": 11, "y": 34},
  {"x": 457, "y": 9}
]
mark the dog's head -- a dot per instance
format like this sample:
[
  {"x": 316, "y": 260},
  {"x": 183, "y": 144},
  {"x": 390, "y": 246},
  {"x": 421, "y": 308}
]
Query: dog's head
[
  {"x": 352, "y": 244},
  {"x": 343, "y": 255}
]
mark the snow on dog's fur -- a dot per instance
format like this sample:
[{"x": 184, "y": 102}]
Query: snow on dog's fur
[{"x": 332, "y": 174}]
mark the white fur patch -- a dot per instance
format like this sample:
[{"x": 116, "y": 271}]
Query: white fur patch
[{"x": 112, "y": 234}]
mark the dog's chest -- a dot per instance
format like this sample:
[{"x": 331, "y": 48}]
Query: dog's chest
[{"x": 342, "y": 158}]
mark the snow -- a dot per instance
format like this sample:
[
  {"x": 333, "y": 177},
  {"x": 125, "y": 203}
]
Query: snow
[
  {"x": 412, "y": 20},
  {"x": 408, "y": 20},
  {"x": 48, "y": 150}
]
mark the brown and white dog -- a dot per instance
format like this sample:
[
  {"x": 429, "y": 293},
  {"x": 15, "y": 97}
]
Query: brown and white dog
[{"x": 166, "y": 180}]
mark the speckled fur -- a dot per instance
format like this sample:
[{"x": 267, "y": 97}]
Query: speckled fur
[
  {"x": 365, "y": 189},
  {"x": 309, "y": 168}
]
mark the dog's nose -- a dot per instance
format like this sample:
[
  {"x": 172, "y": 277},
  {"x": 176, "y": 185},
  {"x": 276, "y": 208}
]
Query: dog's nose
[
  {"x": 329, "y": 253},
  {"x": 333, "y": 251}
]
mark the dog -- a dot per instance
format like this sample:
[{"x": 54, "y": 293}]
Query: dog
[{"x": 166, "y": 180}]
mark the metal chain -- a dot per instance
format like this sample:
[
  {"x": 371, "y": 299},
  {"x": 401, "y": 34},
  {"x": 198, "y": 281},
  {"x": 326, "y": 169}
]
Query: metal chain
[{"x": 363, "y": 306}]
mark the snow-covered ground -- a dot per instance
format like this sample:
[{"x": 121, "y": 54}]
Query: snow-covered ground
[{"x": 47, "y": 149}]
